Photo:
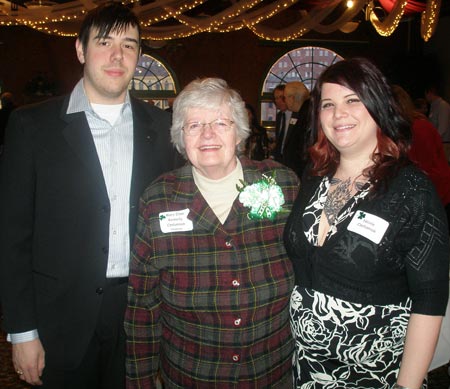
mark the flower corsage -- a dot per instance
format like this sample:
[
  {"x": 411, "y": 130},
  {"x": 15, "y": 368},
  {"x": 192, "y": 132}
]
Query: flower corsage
[{"x": 264, "y": 198}]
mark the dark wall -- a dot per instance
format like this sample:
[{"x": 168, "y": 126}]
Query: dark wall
[
  {"x": 29, "y": 57},
  {"x": 438, "y": 49},
  {"x": 34, "y": 63}
]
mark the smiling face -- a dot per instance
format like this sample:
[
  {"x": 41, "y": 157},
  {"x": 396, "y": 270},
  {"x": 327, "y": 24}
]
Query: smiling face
[
  {"x": 212, "y": 153},
  {"x": 346, "y": 122},
  {"x": 109, "y": 64}
]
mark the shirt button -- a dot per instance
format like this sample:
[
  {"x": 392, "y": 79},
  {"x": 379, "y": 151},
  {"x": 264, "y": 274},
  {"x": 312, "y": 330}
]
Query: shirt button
[
  {"x": 228, "y": 244},
  {"x": 236, "y": 358},
  {"x": 105, "y": 250},
  {"x": 235, "y": 283},
  {"x": 237, "y": 322},
  {"x": 105, "y": 208},
  {"x": 99, "y": 291}
]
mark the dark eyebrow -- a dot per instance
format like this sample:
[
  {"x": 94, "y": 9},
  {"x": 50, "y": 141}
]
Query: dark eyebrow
[
  {"x": 127, "y": 39},
  {"x": 98, "y": 36},
  {"x": 345, "y": 97},
  {"x": 131, "y": 40}
]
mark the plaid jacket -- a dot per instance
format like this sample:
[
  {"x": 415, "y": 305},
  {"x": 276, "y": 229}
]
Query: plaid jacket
[{"x": 208, "y": 308}]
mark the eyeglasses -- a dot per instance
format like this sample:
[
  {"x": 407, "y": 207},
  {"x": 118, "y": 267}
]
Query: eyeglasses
[{"x": 219, "y": 126}]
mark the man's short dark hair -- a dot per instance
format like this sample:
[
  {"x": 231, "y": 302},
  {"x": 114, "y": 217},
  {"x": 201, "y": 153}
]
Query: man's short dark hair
[
  {"x": 432, "y": 86},
  {"x": 105, "y": 18},
  {"x": 279, "y": 87}
]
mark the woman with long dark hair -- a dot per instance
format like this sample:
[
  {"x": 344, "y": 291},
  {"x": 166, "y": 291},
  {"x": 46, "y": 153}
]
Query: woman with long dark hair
[{"x": 369, "y": 243}]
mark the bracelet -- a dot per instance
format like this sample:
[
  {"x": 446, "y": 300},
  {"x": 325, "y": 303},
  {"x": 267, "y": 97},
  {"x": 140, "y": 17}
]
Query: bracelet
[{"x": 397, "y": 386}]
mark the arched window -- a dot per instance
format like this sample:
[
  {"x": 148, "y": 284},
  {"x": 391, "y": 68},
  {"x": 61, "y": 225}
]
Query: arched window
[
  {"x": 153, "y": 81},
  {"x": 303, "y": 64}
]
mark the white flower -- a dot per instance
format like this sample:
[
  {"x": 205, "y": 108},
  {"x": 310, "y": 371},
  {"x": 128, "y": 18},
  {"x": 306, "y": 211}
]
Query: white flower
[{"x": 264, "y": 198}]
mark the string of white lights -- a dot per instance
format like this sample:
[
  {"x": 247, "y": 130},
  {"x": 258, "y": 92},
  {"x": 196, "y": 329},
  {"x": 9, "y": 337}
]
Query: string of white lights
[{"x": 63, "y": 19}]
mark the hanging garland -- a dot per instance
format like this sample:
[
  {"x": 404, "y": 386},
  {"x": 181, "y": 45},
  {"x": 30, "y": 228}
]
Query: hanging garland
[
  {"x": 430, "y": 19},
  {"x": 64, "y": 18}
]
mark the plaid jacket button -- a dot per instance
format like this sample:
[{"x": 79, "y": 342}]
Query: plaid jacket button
[
  {"x": 228, "y": 244},
  {"x": 235, "y": 283},
  {"x": 236, "y": 358},
  {"x": 237, "y": 322}
]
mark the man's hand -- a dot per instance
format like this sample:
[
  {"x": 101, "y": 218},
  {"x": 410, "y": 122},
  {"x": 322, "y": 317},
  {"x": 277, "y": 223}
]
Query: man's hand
[{"x": 29, "y": 361}]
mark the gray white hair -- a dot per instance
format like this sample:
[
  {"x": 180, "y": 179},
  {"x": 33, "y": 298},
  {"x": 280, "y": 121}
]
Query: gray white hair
[
  {"x": 298, "y": 90},
  {"x": 208, "y": 93}
]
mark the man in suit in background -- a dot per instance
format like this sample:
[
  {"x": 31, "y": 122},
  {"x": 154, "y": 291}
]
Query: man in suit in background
[
  {"x": 439, "y": 115},
  {"x": 73, "y": 169},
  {"x": 7, "y": 106},
  {"x": 296, "y": 96},
  {"x": 282, "y": 121}
]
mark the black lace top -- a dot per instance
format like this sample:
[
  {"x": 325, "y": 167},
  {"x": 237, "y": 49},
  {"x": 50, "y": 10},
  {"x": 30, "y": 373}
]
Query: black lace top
[{"x": 410, "y": 260}]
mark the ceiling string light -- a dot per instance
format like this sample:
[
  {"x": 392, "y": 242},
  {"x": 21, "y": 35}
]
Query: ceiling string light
[
  {"x": 172, "y": 19},
  {"x": 392, "y": 20},
  {"x": 214, "y": 23},
  {"x": 347, "y": 16},
  {"x": 295, "y": 30},
  {"x": 429, "y": 19}
]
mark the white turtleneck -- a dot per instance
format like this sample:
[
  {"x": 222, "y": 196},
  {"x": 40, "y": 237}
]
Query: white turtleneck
[{"x": 220, "y": 194}]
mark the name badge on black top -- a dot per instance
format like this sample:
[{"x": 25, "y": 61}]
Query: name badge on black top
[{"x": 370, "y": 226}]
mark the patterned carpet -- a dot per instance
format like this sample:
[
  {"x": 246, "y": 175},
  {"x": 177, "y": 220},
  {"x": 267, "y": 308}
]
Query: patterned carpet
[{"x": 438, "y": 379}]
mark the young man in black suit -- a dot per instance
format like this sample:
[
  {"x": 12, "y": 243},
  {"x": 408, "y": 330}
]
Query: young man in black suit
[{"x": 73, "y": 169}]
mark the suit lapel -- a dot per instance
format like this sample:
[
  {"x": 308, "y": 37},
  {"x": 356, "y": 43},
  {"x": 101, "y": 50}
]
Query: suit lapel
[
  {"x": 79, "y": 137},
  {"x": 144, "y": 138},
  {"x": 291, "y": 128},
  {"x": 277, "y": 126}
]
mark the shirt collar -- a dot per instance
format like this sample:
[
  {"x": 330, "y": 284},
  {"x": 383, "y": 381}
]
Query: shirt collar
[{"x": 79, "y": 102}]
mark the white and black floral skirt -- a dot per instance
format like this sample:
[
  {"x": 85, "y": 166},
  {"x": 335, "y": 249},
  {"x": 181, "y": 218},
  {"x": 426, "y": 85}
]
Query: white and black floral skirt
[{"x": 339, "y": 344}]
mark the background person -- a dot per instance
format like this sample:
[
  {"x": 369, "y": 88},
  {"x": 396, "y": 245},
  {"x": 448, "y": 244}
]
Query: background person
[
  {"x": 426, "y": 149},
  {"x": 296, "y": 96},
  {"x": 72, "y": 172},
  {"x": 439, "y": 115},
  {"x": 421, "y": 105},
  {"x": 7, "y": 106},
  {"x": 369, "y": 242},
  {"x": 282, "y": 121},
  {"x": 210, "y": 279},
  {"x": 257, "y": 144}
]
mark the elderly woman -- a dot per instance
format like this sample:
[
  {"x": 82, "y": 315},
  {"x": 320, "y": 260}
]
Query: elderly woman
[
  {"x": 210, "y": 279},
  {"x": 369, "y": 242}
]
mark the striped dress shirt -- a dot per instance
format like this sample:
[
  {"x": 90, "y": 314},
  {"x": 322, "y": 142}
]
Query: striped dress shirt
[{"x": 114, "y": 145}]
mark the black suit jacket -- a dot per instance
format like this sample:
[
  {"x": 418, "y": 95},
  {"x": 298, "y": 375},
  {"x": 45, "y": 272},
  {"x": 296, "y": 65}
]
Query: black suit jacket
[
  {"x": 55, "y": 216},
  {"x": 278, "y": 140},
  {"x": 295, "y": 153}
]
